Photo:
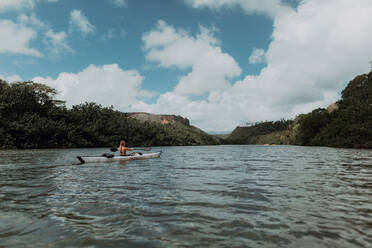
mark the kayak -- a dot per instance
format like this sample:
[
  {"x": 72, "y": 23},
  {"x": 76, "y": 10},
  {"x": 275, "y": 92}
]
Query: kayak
[{"x": 97, "y": 159}]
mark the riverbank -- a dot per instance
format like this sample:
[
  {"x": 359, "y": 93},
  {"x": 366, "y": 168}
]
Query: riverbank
[
  {"x": 344, "y": 124},
  {"x": 30, "y": 117}
]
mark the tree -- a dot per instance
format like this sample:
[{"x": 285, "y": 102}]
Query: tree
[{"x": 30, "y": 117}]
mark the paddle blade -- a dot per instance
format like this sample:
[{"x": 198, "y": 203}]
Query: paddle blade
[{"x": 113, "y": 149}]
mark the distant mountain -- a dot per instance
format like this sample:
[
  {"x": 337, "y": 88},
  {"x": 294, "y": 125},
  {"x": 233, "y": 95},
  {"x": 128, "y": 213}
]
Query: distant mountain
[
  {"x": 178, "y": 126},
  {"x": 162, "y": 119},
  {"x": 258, "y": 133}
]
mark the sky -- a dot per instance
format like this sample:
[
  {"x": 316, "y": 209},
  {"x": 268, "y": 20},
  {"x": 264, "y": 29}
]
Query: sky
[{"x": 219, "y": 63}]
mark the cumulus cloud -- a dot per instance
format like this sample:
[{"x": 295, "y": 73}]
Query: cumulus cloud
[
  {"x": 210, "y": 67},
  {"x": 79, "y": 22},
  {"x": 107, "y": 85},
  {"x": 267, "y": 7},
  {"x": 206, "y": 114},
  {"x": 315, "y": 50},
  {"x": 15, "y": 38},
  {"x": 257, "y": 56},
  {"x": 11, "y": 78},
  {"x": 312, "y": 53}
]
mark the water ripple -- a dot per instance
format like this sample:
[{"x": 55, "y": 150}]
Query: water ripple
[{"x": 218, "y": 196}]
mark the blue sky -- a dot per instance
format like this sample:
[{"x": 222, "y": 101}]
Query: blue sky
[
  {"x": 219, "y": 63},
  {"x": 127, "y": 25}
]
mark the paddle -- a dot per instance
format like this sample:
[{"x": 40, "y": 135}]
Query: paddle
[{"x": 141, "y": 149}]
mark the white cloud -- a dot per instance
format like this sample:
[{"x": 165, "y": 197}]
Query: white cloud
[
  {"x": 16, "y": 5},
  {"x": 7, "y": 5},
  {"x": 314, "y": 51},
  {"x": 15, "y": 38},
  {"x": 120, "y": 3},
  {"x": 267, "y": 7},
  {"x": 11, "y": 78},
  {"x": 31, "y": 21},
  {"x": 208, "y": 115},
  {"x": 79, "y": 22},
  {"x": 56, "y": 43},
  {"x": 210, "y": 67},
  {"x": 257, "y": 56},
  {"x": 107, "y": 85}
]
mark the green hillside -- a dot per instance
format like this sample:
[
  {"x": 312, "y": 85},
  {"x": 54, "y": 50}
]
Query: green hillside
[
  {"x": 260, "y": 133},
  {"x": 348, "y": 123},
  {"x": 348, "y": 126},
  {"x": 30, "y": 117}
]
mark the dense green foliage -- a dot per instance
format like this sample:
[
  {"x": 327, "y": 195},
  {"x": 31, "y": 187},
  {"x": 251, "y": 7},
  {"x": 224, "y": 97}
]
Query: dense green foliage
[
  {"x": 254, "y": 134},
  {"x": 349, "y": 125},
  {"x": 310, "y": 125},
  {"x": 31, "y": 118}
]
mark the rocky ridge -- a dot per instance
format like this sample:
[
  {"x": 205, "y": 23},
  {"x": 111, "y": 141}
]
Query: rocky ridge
[{"x": 162, "y": 119}]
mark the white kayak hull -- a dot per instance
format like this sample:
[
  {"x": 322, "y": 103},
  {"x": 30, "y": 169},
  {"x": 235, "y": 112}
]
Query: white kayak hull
[{"x": 93, "y": 159}]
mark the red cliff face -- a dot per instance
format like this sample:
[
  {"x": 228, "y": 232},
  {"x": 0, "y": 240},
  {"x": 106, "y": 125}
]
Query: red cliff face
[
  {"x": 332, "y": 107},
  {"x": 163, "y": 119}
]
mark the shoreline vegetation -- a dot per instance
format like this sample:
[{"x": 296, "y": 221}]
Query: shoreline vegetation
[
  {"x": 344, "y": 124},
  {"x": 30, "y": 117}
]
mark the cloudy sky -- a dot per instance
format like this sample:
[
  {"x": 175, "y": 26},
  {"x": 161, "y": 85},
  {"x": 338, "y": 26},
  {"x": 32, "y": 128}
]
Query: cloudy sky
[{"x": 219, "y": 63}]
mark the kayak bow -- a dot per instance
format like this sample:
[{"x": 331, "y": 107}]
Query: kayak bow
[{"x": 97, "y": 159}]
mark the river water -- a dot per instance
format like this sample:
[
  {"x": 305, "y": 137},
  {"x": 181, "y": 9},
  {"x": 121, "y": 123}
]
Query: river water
[{"x": 211, "y": 196}]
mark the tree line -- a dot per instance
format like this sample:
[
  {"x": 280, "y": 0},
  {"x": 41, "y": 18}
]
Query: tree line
[
  {"x": 349, "y": 125},
  {"x": 31, "y": 117},
  {"x": 253, "y": 134}
]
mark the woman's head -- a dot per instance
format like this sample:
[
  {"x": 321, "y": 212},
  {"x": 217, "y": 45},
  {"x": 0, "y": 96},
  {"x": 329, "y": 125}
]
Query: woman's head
[{"x": 122, "y": 143}]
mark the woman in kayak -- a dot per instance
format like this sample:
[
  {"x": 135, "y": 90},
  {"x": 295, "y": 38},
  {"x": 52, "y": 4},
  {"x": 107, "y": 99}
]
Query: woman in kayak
[{"x": 122, "y": 149}]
